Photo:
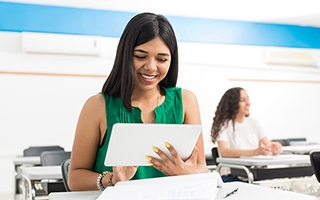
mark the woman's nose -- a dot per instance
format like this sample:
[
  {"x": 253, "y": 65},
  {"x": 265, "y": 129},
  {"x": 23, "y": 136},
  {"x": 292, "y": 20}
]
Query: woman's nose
[{"x": 151, "y": 65}]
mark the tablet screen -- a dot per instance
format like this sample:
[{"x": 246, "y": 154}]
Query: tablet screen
[{"x": 130, "y": 143}]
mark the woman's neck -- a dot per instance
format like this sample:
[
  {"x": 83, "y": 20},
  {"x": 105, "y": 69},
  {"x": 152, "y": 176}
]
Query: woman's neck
[
  {"x": 139, "y": 95},
  {"x": 240, "y": 118}
]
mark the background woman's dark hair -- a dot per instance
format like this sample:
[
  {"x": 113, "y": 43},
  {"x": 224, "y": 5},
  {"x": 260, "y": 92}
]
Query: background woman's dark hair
[
  {"x": 227, "y": 110},
  {"x": 140, "y": 29}
]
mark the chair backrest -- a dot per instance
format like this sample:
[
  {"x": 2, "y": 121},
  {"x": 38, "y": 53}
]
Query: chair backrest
[
  {"x": 65, "y": 169},
  {"x": 283, "y": 142},
  {"x": 37, "y": 150},
  {"x": 54, "y": 158},
  {"x": 215, "y": 155},
  {"x": 315, "y": 162},
  {"x": 289, "y": 140}
]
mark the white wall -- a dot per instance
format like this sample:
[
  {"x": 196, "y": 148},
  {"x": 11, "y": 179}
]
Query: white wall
[{"x": 43, "y": 110}]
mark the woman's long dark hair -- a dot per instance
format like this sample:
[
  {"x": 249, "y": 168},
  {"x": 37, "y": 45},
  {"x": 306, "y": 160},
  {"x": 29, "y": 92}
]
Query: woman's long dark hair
[
  {"x": 227, "y": 110},
  {"x": 140, "y": 29}
]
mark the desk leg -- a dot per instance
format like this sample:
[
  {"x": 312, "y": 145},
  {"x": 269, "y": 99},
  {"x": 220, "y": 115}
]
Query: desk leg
[
  {"x": 249, "y": 174},
  {"x": 28, "y": 190}
]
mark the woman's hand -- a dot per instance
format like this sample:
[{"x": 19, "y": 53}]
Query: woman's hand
[
  {"x": 263, "y": 149},
  {"x": 276, "y": 148},
  {"x": 123, "y": 173},
  {"x": 176, "y": 166}
]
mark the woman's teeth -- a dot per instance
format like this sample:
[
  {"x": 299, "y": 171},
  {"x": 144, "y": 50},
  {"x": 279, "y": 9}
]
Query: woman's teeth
[{"x": 147, "y": 77}]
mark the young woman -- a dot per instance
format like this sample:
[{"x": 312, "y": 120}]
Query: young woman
[
  {"x": 140, "y": 89},
  {"x": 236, "y": 133}
]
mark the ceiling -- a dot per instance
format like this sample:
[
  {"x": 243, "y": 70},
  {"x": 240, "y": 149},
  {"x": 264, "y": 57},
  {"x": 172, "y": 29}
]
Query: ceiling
[{"x": 296, "y": 12}]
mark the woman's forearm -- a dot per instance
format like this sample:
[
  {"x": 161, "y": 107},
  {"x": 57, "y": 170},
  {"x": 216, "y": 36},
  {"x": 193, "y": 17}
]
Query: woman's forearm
[
  {"x": 236, "y": 153},
  {"x": 84, "y": 180}
]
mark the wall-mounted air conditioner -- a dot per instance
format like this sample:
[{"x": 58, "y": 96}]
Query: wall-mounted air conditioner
[
  {"x": 288, "y": 56},
  {"x": 47, "y": 43}
]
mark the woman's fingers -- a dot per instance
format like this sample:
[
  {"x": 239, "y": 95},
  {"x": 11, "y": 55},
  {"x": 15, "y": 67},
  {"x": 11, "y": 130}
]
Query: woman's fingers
[
  {"x": 277, "y": 147},
  {"x": 164, "y": 165},
  {"x": 174, "y": 166}
]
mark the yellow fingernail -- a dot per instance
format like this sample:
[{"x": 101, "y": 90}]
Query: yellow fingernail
[
  {"x": 150, "y": 163},
  {"x": 147, "y": 157},
  {"x": 167, "y": 144},
  {"x": 155, "y": 149}
]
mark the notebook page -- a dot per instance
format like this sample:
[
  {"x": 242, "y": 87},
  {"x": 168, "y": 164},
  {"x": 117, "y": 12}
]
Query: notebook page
[{"x": 198, "y": 186}]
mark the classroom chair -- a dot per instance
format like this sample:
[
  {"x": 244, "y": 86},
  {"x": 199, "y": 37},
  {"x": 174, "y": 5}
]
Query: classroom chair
[
  {"x": 215, "y": 154},
  {"x": 54, "y": 158},
  {"x": 315, "y": 163},
  {"x": 283, "y": 142},
  {"x": 37, "y": 150},
  {"x": 31, "y": 152},
  {"x": 289, "y": 140},
  {"x": 65, "y": 169}
]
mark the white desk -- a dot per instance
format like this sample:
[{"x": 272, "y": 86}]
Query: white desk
[
  {"x": 303, "y": 149},
  {"x": 294, "y": 163},
  {"x": 86, "y": 195},
  {"x": 254, "y": 192},
  {"x": 293, "y": 159},
  {"x": 30, "y": 160},
  {"x": 31, "y": 175},
  {"x": 245, "y": 192},
  {"x": 22, "y": 161}
]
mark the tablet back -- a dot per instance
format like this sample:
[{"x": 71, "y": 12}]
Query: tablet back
[{"x": 131, "y": 143}]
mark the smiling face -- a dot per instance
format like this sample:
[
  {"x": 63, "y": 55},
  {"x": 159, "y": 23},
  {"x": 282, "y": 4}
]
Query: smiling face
[
  {"x": 244, "y": 104},
  {"x": 151, "y": 62}
]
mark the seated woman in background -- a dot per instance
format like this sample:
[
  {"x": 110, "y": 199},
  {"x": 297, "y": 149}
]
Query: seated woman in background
[
  {"x": 236, "y": 133},
  {"x": 140, "y": 89}
]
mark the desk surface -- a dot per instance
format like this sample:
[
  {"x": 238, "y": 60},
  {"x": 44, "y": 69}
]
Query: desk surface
[
  {"x": 292, "y": 159},
  {"x": 86, "y": 195},
  {"x": 38, "y": 173},
  {"x": 245, "y": 192},
  {"x": 254, "y": 192},
  {"x": 33, "y": 160},
  {"x": 303, "y": 149}
]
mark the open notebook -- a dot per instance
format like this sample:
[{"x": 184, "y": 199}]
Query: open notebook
[{"x": 196, "y": 186}]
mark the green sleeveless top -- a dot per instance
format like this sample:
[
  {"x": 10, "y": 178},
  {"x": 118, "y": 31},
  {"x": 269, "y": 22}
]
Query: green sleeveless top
[{"x": 169, "y": 112}]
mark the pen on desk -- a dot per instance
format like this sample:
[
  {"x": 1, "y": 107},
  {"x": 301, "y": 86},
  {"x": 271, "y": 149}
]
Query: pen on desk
[{"x": 231, "y": 193}]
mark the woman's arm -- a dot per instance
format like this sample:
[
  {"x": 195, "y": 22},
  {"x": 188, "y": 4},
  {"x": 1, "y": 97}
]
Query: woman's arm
[
  {"x": 90, "y": 130},
  {"x": 85, "y": 146},
  {"x": 192, "y": 116},
  {"x": 263, "y": 149}
]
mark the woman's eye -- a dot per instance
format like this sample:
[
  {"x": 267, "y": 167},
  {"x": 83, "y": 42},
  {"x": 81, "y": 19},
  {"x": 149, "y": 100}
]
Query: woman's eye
[
  {"x": 162, "y": 59},
  {"x": 140, "y": 57}
]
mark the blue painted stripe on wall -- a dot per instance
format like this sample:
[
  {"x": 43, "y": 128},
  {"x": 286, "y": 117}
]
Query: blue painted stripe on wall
[{"x": 55, "y": 19}]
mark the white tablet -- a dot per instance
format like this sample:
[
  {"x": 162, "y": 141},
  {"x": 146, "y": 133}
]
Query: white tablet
[{"x": 130, "y": 143}]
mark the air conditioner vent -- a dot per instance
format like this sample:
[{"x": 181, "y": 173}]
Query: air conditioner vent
[
  {"x": 47, "y": 43},
  {"x": 286, "y": 56}
]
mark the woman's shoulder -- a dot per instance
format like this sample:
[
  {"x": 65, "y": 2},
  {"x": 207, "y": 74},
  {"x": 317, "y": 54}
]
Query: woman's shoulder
[
  {"x": 187, "y": 94},
  {"x": 251, "y": 120},
  {"x": 95, "y": 102}
]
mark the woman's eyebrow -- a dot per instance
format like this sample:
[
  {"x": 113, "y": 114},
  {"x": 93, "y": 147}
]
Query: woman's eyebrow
[
  {"x": 142, "y": 51},
  {"x": 163, "y": 54},
  {"x": 160, "y": 54}
]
